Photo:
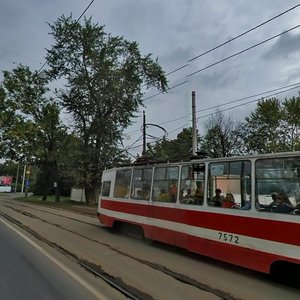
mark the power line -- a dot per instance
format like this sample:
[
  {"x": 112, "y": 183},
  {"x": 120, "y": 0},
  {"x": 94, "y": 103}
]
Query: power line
[
  {"x": 226, "y": 109},
  {"x": 222, "y": 60},
  {"x": 243, "y": 33},
  {"x": 287, "y": 87},
  {"x": 182, "y": 126},
  {"x": 242, "y": 51},
  {"x": 172, "y": 87},
  {"x": 177, "y": 69},
  {"x": 84, "y": 11},
  {"x": 290, "y": 87},
  {"x": 76, "y": 22},
  {"x": 248, "y": 97},
  {"x": 255, "y": 100},
  {"x": 232, "y": 39}
]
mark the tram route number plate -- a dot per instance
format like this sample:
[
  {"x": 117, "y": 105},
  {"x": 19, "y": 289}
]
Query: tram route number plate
[{"x": 227, "y": 237}]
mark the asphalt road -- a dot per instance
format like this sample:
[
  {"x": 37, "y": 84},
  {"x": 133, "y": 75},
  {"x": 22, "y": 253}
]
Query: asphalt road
[
  {"x": 28, "y": 273},
  {"x": 147, "y": 269}
]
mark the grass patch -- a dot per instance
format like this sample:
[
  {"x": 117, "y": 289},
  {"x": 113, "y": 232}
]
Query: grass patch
[
  {"x": 50, "y": 199},
  {"x": 64, "y": 203}
]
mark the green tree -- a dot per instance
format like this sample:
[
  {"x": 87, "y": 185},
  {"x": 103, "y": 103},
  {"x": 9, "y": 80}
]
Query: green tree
[
  {"x": 31, "y": 129},
  {"x": 291, "y": 123},
  {"x": 177, "y": 149},
  {"x": 221, "y": 138},
  {"x": 261, "y": 130},
  {"x": 105, "y": 76},
  {"x": 273, "y": 126}
]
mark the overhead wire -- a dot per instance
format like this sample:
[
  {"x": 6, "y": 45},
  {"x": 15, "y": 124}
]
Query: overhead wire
[
  {"x": 227, "y": 42},
  {"x": 244, "y": 33},
  {"x": 244, "y": 50},
  {"x": 286, "y": 87},
  {"x": 255, "y": 100},
  {"x": 76, "y": 22},
  {"x": 234, "y": 38},
  {"x": 233, "y": 107},
  {"x": 248, "y": 97},
  {"x": 172, "y": 87},
  {"x": 235, "y": 54}
]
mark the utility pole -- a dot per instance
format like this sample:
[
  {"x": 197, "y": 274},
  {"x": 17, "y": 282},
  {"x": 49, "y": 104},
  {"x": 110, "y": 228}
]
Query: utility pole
[
  {"x": 23, "y": 179},
  {"x": 194, "y": 123},
  {"x": 144, "y": 134},
  {"x": 16, "y": 185}
]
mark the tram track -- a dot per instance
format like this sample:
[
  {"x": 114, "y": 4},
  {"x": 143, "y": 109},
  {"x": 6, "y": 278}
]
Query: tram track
[
  {"x": 52, "y": 213},
  {"x": 91, "y": 267}
]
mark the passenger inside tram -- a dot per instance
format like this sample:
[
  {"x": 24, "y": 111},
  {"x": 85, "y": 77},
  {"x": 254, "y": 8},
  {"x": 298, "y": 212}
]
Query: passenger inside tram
[
  {"x": 284, "y": 204},
  {"x": 188, "y": 197},
  {"x": 163, "y": 196},
  {"x": 145, "y": 191},
  {"x": 218, "y": 199},
  {"x": 199, "y": 193},
  {"x": 274, "y": 201},
  {"x": 228, "y": 201},
  {"x": 173, "y": 191}
]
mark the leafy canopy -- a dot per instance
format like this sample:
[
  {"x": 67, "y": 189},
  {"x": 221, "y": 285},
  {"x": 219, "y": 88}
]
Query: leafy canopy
[{"x": 104, "y": 76}]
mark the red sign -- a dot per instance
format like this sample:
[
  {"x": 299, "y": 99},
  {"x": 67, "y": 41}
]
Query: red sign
[{"x": 6, "y": 180}]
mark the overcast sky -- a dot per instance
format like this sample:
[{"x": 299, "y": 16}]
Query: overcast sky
[{"x": 175, "y": 31}]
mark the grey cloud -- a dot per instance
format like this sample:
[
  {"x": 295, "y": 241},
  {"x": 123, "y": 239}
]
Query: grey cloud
[
  {"x": 218, "y": 79},
  {"x": 286, "y": 45}
]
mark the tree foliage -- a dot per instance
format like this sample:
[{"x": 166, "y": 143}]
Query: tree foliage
[
  {"x": 31, "y": 129},
  {"x": 291, "y": 123},
  {"x": 221, "y": 138},
  {"x": 273, "y": 126},
  {"x": 177, "y": 149},
  {"x": 105, "y": 75}
]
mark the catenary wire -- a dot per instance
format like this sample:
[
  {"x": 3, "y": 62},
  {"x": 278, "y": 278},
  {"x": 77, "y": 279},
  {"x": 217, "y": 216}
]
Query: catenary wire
[
  {"x": 248, "y": 97},
  {"x": 243, "y": 33},
  {"x": 211, "y": 114},
  {"x": 172, "y": 87},
  {"x": 76, "y": 22},
  {"x": 270, "y": 95},
  {"x": 220, "y": 45},
  {"x": 286, "y": 87},
  {"x": 224, "y": 59},
  {"x": 232, "y": 39},
  {"x": 255, "y": 100},
  {"x": 233, "y": 107},
  {"x": 244, "y": 50}
]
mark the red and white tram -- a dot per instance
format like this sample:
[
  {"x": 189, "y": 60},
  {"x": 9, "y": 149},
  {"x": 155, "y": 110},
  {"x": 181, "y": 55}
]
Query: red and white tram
[{"x": 241, "y": 210}]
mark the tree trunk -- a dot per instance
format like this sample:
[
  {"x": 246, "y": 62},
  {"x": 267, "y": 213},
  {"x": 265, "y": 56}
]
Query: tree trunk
[
  {"x": 91, "y": 194},
  {"x": 45, "y": 194},
  {"x": 57, "y": 191}
]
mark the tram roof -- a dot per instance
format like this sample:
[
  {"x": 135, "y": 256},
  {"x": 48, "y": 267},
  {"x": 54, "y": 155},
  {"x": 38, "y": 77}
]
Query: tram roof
[{"x": 145, "y": 162}]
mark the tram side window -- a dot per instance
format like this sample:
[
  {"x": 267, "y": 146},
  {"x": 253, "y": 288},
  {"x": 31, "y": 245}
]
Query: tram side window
[
  {"x": 229, "y": 184},
  {"x": 192, "y": 184},
  {"x": 122, "y": 184},
  {"x": 141, "y": 183},
  {"x": 278, "y": 185},
  {"x": 165, "y": 184},
  {"x": 106, "y": 188}
]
